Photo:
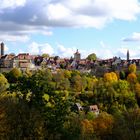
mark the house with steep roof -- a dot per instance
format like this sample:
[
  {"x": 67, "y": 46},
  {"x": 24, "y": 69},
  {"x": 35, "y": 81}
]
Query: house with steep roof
[
  {"x": 94, "y": 108},
  {"x": 23, "y": 61},
  {"x": 6, "y": 61}
]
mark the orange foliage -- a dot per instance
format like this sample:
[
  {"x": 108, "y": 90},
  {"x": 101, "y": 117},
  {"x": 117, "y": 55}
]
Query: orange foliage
[
  {"x": 87, "y": 127},
  {"x": 103, "y": 123},
  {"x": 132, "y": 78}
]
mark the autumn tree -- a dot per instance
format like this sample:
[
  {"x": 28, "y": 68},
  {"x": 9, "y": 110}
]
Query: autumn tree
[
  {"x": 3, "y": 83},
  {"x": 103, "y": 125},
  {"x": 137, "y": 92},
  {"x": 132, "y": 68},
  {"x": 87, "y": 129},
  {"x": 132, "y": 78},
  {"x": 67, "y": 74},
  {"x": 110, "y": 77}
]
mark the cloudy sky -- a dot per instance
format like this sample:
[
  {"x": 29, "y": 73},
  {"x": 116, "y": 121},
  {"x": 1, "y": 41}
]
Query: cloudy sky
[{"x": 59, "y": 27}]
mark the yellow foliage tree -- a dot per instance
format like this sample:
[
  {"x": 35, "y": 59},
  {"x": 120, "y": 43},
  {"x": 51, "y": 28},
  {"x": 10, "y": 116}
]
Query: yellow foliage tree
[
  {"x": 110, "y": 77},
  {"x": 132, "y": 68},
  {"x": 3, "y": 83}
]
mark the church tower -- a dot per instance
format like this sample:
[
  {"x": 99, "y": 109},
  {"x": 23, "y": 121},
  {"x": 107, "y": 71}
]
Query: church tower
[
  {"x": 77, "y": 56},
  {"x": 2, "y": 49},
  {"x": 128, "y": 55}
]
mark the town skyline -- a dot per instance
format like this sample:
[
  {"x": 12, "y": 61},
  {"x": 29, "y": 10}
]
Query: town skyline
[{"x": 60, "y": 28}]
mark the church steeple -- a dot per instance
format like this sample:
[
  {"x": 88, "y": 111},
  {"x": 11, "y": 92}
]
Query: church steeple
[
  {"x": 128, "y": 55},
  {"x": 2, "y": 48},
  {"x": 77, "y": 56}
]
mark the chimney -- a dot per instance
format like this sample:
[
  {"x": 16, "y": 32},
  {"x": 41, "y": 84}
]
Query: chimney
[{"x": 2, "y": 48}]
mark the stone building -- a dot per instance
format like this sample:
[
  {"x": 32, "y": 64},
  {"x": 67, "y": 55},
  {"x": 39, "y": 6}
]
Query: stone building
[
  {"x": 6, "y": 61},
  {"x": 77, "y": 56},
  {"x": 22, "y": 61}
]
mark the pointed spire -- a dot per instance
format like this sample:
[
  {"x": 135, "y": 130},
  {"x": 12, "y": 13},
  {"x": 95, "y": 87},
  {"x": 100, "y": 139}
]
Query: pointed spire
[{"x": 128, "y": 55}]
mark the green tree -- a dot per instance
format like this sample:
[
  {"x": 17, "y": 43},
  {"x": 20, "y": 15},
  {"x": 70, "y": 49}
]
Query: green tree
[
  {"x": 14, "y": 75},
  {"x": 18, "y": 121},
  {"x": 65, "y": 84},
  {"x": 122, "y": 75},
  {"x": 76, "y": 83},
  {"x": 58, "y": 78},
  {"x": 127, "y": 125},
  {"x": 45, "y": 55},
  {"x": 3, "y": 83},
  {"x": 92, "y": 57},
  {"x": 67, "y": 74},
  {"x": 103, "y": 125}
]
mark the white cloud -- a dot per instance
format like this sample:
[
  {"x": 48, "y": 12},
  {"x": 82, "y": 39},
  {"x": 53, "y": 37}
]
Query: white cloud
[
  {"x": 57, "y": 12},
  {"x": 36, "y": 48},
  {"x": 59, "y": 50},
  {"x": 70, "y": 13},
  {"x": 46, "y": 48},
  {"x": 121, "y": 51},
  {"x": 47, "y": 33},
  {"x": 11, "y": 3},
  {"x": 103, "y": 52},
  {"x": 33, "y": 48},
  {"x": 134, "y": 37},
  {"x": 65, "y": 52},
  {"x": 90, "y": 13},
  {"x": 6, "y": 49},
  {"x": 20, "y": 18}
]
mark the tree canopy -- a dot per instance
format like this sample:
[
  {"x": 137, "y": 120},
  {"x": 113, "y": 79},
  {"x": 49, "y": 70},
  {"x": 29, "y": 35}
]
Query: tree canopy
[
  {"x": 92, "y": 57},
  {"x": 41, "y": 105}
]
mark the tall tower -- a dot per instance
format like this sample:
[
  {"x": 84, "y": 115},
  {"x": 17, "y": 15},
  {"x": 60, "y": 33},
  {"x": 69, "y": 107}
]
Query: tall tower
[
  {"x": 128, "y": 55},
  {"x": 77, "y": 56},
  {"x": 2, "y": 48}
]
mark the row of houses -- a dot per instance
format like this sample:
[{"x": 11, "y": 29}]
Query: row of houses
[
  {"x": 91, "y": 108},
  {"x": 22, "y": 61},
  {"x": 25, "y": 60}
]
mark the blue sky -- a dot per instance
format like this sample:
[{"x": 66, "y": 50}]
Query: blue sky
[{"x": 60, "y": 27}]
